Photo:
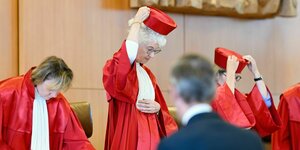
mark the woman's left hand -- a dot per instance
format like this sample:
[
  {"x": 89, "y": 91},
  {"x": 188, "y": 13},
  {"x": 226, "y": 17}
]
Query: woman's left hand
[
  {"x": 252, "y": 66},
  {"x": 148, "y": 106}
]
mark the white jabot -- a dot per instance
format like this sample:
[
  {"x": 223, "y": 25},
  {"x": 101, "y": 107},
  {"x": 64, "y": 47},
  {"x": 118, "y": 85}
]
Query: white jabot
[
  {"x": 146, "y": 90},
  {"x": 40, "y": 126},
  {"x": 132, "y": 49},
  {"x": 194, "y": 110}
]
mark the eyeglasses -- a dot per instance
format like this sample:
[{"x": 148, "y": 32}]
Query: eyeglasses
[
  {"x": 150, "y": 50},
  {"x": 237, "y": 77}
]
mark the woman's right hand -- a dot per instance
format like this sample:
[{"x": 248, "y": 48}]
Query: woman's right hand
[
  {"x": 135, "y": 23},
  {"x": 142, "y": 14},
  {"x": 232, "y": 65}
]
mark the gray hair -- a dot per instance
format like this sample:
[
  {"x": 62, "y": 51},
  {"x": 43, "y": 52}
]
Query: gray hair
[
  {"x": 194, "y": 79},
  {"x": 147, "y": 35}
]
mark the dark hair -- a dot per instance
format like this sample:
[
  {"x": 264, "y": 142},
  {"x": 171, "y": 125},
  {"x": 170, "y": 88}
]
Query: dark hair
[
  {"x": 194, "y": 78},
  {"x": 221, "y": 71}
]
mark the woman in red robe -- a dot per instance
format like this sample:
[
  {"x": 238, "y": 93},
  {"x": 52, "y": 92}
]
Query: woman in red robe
[
  {"x": 288, "y": 136},
  {"x": 138, "y": 116},
  {"x": 34, "y": 115},
  {"x": 255, "y": 110}
]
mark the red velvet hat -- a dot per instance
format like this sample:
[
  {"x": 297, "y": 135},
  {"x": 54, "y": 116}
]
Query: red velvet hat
[
  {"x": 221, "y": 55},
  {"x": 160, "y": 22}
]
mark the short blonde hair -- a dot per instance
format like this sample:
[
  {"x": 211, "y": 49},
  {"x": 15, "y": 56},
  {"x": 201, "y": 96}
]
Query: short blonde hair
[
  {"x": 53, "y": 68},
  {"x": 147, "y": 35}
]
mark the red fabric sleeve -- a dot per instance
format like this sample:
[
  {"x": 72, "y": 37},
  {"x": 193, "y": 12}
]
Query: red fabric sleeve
[
  {"x": 267, "y": 119},
  {"x": 281, "y": 139},
  {"x": 74, "y": 136},
  {"x": 227, "y": 106},
  {"x": 294, "y": 119},
  {"x": 3, "y": 145},
  {"x": 119, "y": 77}
]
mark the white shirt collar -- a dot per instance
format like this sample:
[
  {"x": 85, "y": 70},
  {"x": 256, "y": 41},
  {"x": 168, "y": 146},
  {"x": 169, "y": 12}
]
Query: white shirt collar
[{"x": 194, "y": 110}]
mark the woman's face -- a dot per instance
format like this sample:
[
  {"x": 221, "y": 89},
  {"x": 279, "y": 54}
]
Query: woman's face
[
  {"x": 45, "y": 89},
  {"x": 221, "y": 78},
  {"x": 146, "y": 52}
]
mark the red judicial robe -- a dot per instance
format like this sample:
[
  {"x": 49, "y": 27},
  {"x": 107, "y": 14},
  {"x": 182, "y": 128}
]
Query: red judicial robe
[
  {"x": 246, "y": 111},
  {"x": 127, "y": 127},
  {"x": 16, "y": 106},
  {"x": 288, "y": 136}
]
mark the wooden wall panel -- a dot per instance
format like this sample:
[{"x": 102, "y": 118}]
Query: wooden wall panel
[
  {"x": 286, "y": 41},
  {"x": 8, "y": 38},
  {"x": 81, "y": 32}
]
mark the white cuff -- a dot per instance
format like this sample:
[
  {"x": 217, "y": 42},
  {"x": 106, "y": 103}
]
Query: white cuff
[{"x": 132, "y": 49}]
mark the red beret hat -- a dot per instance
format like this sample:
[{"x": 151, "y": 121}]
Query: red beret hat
[
  {"x": 221, "y": 55},
  {"x": 160, "y": 22}
]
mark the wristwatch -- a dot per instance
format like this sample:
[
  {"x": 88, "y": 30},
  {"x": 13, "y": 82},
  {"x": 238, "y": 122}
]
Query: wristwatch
[{"x": 258, "y": 79}]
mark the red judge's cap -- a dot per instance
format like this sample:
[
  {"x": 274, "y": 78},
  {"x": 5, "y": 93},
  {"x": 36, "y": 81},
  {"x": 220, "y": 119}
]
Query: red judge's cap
[
  {"x": 221, "y": 55},
  {"x": 160, "y": 22}
]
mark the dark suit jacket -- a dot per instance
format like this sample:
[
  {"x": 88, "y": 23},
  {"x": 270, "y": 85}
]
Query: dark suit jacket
[{"x": 207, "y": 131}]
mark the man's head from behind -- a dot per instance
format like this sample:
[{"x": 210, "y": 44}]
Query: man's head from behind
[{"x": 193, "y": 82}]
